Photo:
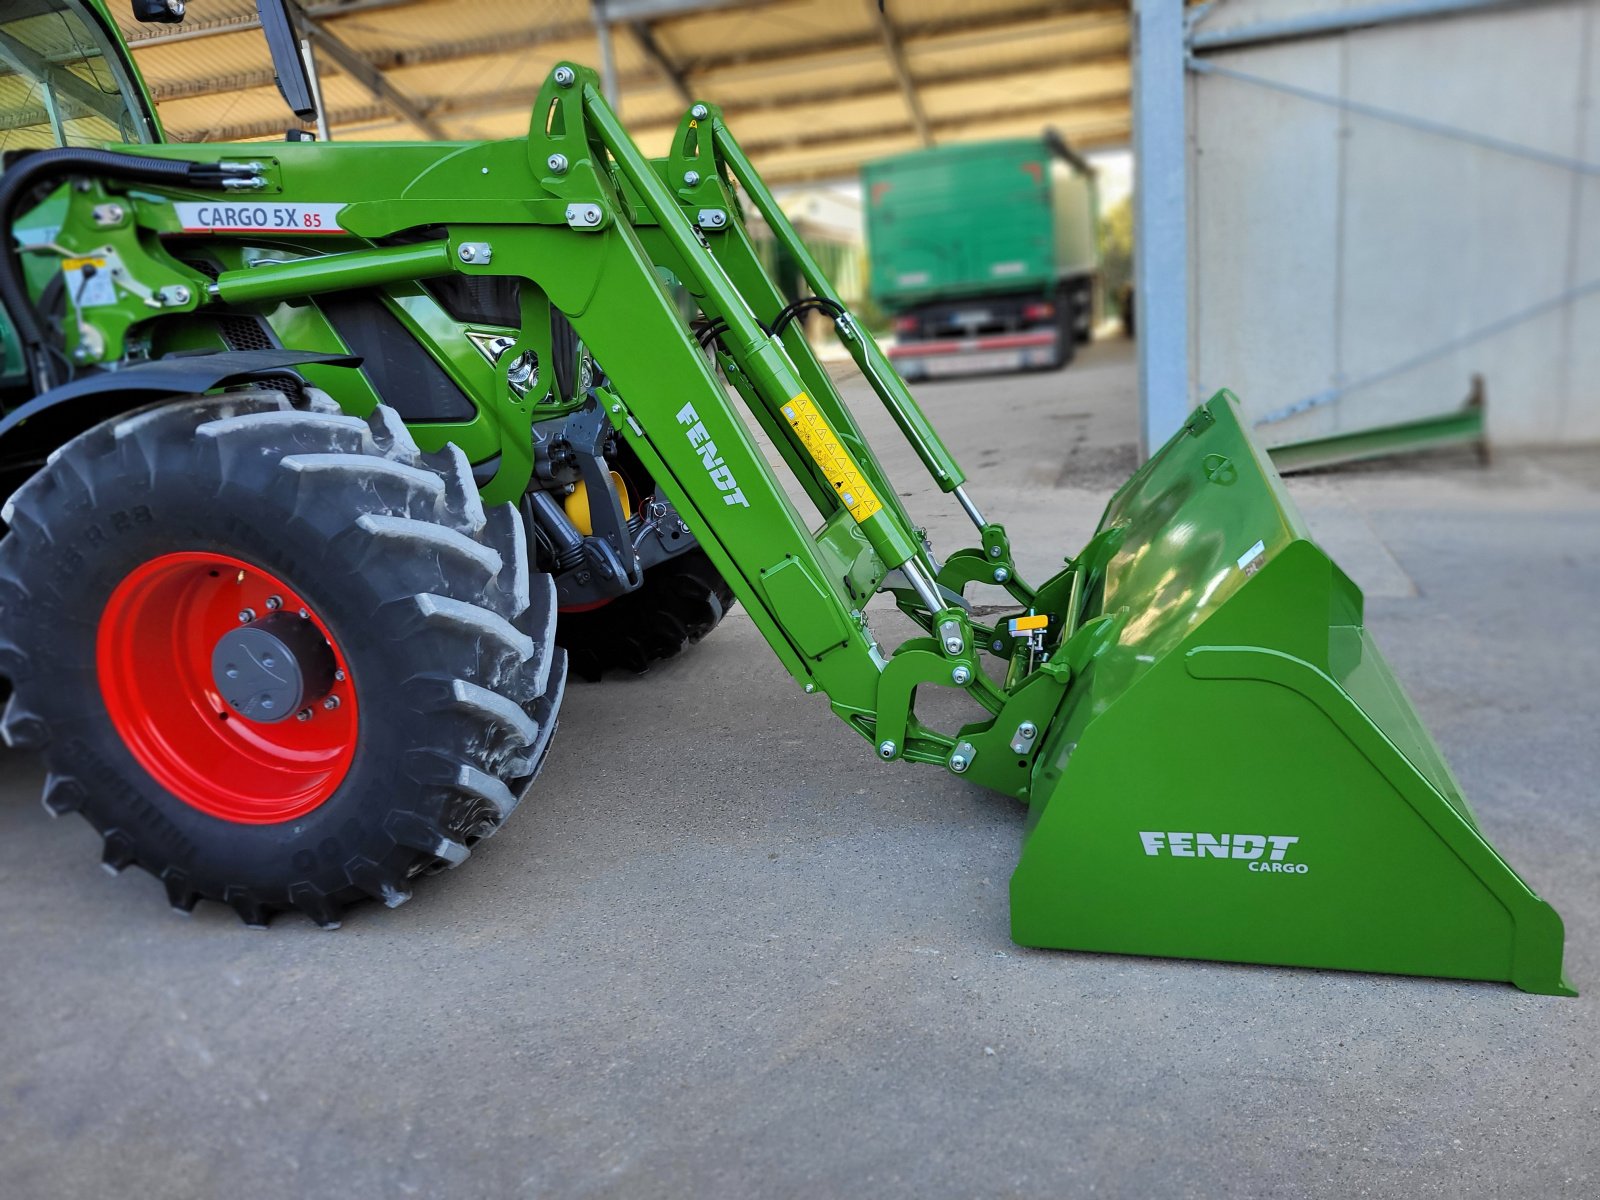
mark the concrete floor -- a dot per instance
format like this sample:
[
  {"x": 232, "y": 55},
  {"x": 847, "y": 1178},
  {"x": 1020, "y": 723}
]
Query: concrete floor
[{"x": 736, "y": 956}]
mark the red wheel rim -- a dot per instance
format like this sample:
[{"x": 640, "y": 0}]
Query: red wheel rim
[{"x": 153, "y": 654}]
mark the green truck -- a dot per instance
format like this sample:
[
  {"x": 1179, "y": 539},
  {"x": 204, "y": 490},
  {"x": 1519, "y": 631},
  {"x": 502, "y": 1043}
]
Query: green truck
[{"x": 1005, "y": 279}]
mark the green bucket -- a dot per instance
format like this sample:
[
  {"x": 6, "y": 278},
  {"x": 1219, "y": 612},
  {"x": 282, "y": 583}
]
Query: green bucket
[{"x": 1237, "y": 775}]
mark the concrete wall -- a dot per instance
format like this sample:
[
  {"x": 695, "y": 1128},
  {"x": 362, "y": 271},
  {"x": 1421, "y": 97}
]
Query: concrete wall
[{"x": 1326, "y": 245}]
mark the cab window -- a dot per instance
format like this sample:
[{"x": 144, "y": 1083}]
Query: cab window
[{"x": 62, "y": 82}]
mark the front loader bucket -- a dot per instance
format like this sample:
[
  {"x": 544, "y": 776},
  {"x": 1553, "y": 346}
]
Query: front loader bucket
[{"x": 1237, "y": 775}]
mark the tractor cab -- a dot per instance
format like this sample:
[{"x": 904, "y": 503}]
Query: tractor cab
[{"x": 64, "y": 81}]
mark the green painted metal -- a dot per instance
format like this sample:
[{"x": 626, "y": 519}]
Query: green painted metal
[
  {"x": 1201, "y": 672},
  {"x": 1465, "y": 427},
  {"x": 1238, "y": 775}
]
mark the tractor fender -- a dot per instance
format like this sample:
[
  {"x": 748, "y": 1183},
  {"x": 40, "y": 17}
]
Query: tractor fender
[{"x": 68, "y": 410}]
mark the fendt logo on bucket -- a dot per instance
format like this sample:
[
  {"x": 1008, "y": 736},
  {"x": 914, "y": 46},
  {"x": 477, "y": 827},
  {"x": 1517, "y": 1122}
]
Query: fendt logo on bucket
[{"x": 1249, "y": 847}]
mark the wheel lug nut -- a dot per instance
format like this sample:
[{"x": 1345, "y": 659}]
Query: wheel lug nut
[
  {"x": 246, "y": 615},
  {"x": 303, "y": 715},
  {"x": 274, "y": 603},
  {"x": 339, "y": 675},
  {"x": 304, "y": 615},
  {"x": 331, "y": 703}
]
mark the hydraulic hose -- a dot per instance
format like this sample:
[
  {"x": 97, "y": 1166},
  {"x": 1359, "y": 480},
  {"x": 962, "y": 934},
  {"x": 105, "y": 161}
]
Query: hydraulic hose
[{"x": 30, "y": 170}]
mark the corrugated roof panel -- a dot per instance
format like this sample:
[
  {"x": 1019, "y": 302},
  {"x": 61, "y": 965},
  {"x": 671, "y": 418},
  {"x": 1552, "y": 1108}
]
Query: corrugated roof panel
[
  {"x": 806, "y": 83},
  {"x": 762, "y": 26},
  {"x": 1065, "y": 40},
  {"x": 204, "y": 58},
  {"x": 208, "y": 13},
  {"x": 737, "y": 86},
  {"x": 423, "y": 24},
  {"x": 1024, "y": 90}
]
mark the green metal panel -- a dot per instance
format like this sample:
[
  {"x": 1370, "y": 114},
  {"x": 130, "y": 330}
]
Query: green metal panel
[
  {"x": 1240, "y": 776},
  {"x": 1428, "y": 433}
]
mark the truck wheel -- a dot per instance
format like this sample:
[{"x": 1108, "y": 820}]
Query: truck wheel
[
  {"x": 277, "y": 658},
  {"x": 1083, "y": 313},
  {"x": 1066, "y": 336},
  {"x": 679, "y": 602}
]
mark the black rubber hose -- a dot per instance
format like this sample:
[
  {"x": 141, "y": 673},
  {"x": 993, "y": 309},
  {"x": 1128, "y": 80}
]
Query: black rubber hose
[
  {"x": 792, "y": 310},
  {"x": 25, "y": 174}
]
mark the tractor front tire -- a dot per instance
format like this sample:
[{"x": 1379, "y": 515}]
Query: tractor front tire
[{"x": 160, "y": 566}]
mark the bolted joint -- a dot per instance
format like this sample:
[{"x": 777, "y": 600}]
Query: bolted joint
[
  {"x": 690, "y": 178},
  {"x": 565, "y": 77},
  {"x": 477, "y": 253},
  {"x": 994, "y": 551},
  {"x": 961, "y": 676},
  {"x": 1001, "y": 574},
  {"x": 886, "y": 749},
  {"x": 699, "y": 112},
  {"x": 1022, "y": 740},
  {"x": 950, "y": 637},
  {"x": 557, "y": 164}
]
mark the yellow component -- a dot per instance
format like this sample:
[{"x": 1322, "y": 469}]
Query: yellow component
[
  {"x": 1028, "y": 624},
  {"x": 824, "y": 447},
  {"x": 78, "y": 264},
  {"x": 577, "y": 504}
]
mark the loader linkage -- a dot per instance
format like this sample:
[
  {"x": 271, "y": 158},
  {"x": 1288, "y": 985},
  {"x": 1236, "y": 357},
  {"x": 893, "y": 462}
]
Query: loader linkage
[{"x": 1217, "y": 763}]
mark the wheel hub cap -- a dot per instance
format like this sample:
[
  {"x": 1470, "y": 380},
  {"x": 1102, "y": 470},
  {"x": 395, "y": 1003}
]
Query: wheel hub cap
[{"x": 273, "y": 668}]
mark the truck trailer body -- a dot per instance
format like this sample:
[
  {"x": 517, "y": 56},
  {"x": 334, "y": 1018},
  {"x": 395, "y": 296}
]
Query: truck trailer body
[{"x": 1002, "y": 277}]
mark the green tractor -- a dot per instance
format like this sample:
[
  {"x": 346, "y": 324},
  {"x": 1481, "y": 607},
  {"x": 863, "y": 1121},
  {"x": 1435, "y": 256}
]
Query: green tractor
[{"x": 322, "y": 459}]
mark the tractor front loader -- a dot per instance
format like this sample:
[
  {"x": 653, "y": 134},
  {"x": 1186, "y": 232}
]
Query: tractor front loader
[{"x": 326, "y": 446}]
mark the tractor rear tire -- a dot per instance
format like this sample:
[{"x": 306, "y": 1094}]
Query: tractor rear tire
[
  {"x": 135, "y": 545},
  {"x": 680, "y": 601}
]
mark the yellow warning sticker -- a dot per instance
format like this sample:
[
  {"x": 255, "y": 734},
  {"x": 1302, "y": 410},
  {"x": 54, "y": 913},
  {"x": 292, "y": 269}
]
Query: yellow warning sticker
[{"x": 835, "y": 461}]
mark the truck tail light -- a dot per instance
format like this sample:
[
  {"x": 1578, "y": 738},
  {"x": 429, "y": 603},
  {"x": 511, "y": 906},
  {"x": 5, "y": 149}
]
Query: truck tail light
[{"x": 1040, "y": 311}]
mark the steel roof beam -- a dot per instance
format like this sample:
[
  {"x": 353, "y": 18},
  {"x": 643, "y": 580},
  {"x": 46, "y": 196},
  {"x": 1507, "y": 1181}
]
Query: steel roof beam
[
  {"x": 778, "y": 174},
  {"x": 370, "y": 77},
  {"x": 966, "y": 120},
  {"x": 511, "y": 99},
  {"x": 658, "y": 59},
  {"x": 628, "y": 11},
  {"x": 148, "y": 35},
  {"x": 902, "y": 73},
  {"x": 909, "y": 31}
]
